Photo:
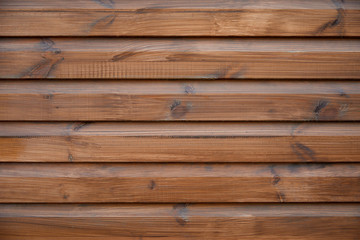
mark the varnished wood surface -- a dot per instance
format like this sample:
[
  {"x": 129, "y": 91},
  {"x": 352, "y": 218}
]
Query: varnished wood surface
[
  {"x": 176, "y": 58},
  {"x": 142, "y": 100},
  {"x": 153, "y": 119},
  {"x": 178, "y": 183},
  {"x": 179, "y": 221},
  {"x": 179, "y": 142},
  {"x": 180, "y": 18}
]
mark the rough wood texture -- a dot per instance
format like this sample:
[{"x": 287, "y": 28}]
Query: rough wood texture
[
  {"x": 174, "y": 58},
  {"x": 179, "y": 142},
  {"x": 180, "y": 221},
  {"x": 107, "y": 100},
  {"x": 180, "y": 18},
  {"x": 163, "y": 183}
]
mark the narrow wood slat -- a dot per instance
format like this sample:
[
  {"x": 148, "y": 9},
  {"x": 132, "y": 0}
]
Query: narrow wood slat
[
  {"x": 105, "y": 100},
  {"x": 180, "y": 18},
  {"x": 174, "y": 58},
  {"x": 231, "y": 182},
  {"x": 179, "y": 221},
  {"x": 179, "y": 142},
  {"x": 174, "y": 4}
]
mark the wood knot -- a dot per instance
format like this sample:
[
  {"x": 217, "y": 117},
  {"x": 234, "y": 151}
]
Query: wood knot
[
  {"x": 189, "y": 89},
  {"x": 275, "y": 180},
  {"x": 181, "y": 213},
  {"x": 152, "y": 185},
  {"x": 179, "y": 110}
]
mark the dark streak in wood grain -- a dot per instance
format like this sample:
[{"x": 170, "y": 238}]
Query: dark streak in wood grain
[
  {"x": 319, "y": 107},
  {"x": 153, "y": 8},
  {"x": 78, "y": 126},
  {"x": 303, "y": 152},
  {"x": 104, "y": 22},
  {"x": 43, "y": 68},
  {"x": 293, "y": 167},
  {"x": 122, "y": 56},
  {"x": 175, "y": 104},
  {"x": 335, "y": 22},
  {"x": 219, "y": 73},
  {"x": 105, "y": 3}
]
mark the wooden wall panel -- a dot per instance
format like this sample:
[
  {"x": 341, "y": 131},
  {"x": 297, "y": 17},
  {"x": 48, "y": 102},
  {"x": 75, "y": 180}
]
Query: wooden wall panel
[
  {"x": 179, "y": 221},
  {"x": 153, "y": 119},
  {"x": 179, "y": 142},
  {"x": 179, "y": 100},
  {"x": 173, "y": 58},
  {"x": 163, "y": 183},
  {"x": 180, "y": 18}
]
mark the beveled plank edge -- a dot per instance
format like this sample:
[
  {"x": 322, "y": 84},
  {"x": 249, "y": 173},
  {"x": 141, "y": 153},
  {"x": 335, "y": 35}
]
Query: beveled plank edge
[
  {"x": 73, "y": 210},
  {"x": 18, "y": 129}
]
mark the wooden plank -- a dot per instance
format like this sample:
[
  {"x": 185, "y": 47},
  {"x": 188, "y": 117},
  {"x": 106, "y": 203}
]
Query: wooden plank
[
  {"x": 175, "y": 4},
  {"x": 106, "y": 100},
  {"x": 180, "y": 18},
  {"x": 179, "y": 221},
  {"x": 174, "y": 58},
  {"x": 231, "y": 182},
  {"x": 179, "y": 142}
]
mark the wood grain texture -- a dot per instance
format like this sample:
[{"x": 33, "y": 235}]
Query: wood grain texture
[
  {"x": 176, "y": 58},
  {"x": 179, "y": 142},
  {"x": 180, "y": 221},
  {"x": 181, "y": 119},
  {"x": 180, "y": 18},
  {"x": 164, "y": 183},
  {"x": 201, "y": 100}
]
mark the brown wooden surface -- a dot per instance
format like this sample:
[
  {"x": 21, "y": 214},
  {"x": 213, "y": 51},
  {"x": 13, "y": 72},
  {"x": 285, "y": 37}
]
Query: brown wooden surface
[
  {"x": 174, "y": 58},
  {"x": 181, "y": 119},
  {"x": 180, "y": 18},
  {"x": 163, "y": 183},
  {"x": 179, "y": 142},
  {"x": 179, "y": 221},
  {"x": 107, "y": 100}
]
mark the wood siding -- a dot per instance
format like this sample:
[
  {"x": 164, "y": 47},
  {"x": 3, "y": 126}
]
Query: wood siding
[{"x": 140, "y": 120}]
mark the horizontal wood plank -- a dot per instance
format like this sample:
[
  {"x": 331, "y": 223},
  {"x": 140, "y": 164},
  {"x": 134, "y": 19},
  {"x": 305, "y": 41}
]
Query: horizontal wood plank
[
  {"x": 179, "y": 221},
  {"x": 231, "y": 182},
  {"x": 180, "y": 18},
  {"x": 174, "y": 58},
  {"x": 175, "y": 4},
  {"x": 179, "y": 142},
  {"x": 106, "y": 100}
]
